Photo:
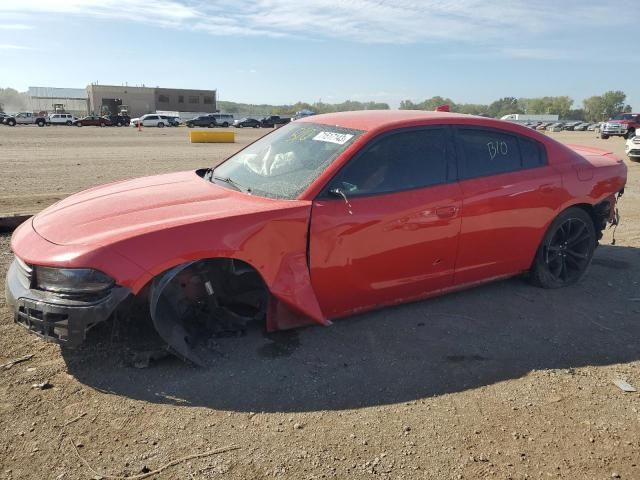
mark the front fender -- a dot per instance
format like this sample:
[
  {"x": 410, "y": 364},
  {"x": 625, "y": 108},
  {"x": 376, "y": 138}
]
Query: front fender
[{"x": 274, "y": 243}]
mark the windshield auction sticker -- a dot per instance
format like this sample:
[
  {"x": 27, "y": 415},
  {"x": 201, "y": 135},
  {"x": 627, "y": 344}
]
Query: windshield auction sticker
[{"x": 333, "y": 137}]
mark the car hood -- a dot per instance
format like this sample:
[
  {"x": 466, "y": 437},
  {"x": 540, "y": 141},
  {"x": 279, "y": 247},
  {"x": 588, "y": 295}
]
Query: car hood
[{"x": 113, "y": 212}]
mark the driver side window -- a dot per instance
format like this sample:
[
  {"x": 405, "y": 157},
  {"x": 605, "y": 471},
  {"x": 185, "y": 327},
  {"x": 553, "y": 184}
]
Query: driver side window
[{"x": 398, "y": 161}]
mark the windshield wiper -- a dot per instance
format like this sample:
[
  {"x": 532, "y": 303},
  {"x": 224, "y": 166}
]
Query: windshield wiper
[{"x": 231, "y": 182}]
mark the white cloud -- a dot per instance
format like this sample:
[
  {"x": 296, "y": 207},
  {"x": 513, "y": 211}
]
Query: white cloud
[
  {"x": 536, "y": 53},
  {"x": 15, "y": 26},
  {"x": 363, "y": 21},
  {"x": 9, "y": 46}
]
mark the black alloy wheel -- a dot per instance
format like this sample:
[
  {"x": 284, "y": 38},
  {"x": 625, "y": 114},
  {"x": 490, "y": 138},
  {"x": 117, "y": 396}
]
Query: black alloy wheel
[{"x": 566, "y": 251}]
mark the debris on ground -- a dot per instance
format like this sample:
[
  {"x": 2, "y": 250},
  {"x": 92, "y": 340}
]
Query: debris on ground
[
  {"x": 144, "y": 359},
  {"x": 624, "y": 386},
  {"x": 42, "y": 386},
  {"x": 8, "y": 365}
]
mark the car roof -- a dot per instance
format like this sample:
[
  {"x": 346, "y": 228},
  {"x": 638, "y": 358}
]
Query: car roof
[{"x": 373, "y": 119}]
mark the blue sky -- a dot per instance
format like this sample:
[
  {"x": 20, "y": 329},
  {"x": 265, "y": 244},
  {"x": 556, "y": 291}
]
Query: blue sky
[{"x": 282, "y": 51}]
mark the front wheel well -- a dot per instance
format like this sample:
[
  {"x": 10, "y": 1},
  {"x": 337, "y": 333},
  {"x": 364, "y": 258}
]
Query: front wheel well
[{"x": 196, "y": 301}]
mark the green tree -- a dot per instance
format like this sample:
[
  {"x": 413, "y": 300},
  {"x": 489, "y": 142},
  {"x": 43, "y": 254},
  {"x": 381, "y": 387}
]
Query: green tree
[
  {"x": 408, "y": 105},
  {"x": 577, "y": 114},
  {"x": 504, "y": 106},
  {"x": 542, "y": 105},
  {"x": 471, "y": 108},
  {"x": 602, "y": 107}
]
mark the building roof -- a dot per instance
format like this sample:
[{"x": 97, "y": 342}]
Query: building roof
[{"x": 54, "y": 92}]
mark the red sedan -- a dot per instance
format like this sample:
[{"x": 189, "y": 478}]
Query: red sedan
[
  {"x": 93, "y": 120},
  {"x": 324, "y": 217}
]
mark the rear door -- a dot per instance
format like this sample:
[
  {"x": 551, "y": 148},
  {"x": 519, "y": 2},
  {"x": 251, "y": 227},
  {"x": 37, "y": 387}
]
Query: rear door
[
  {"x": 509, "y": 196},
  {"x": 385, "y": 229}
]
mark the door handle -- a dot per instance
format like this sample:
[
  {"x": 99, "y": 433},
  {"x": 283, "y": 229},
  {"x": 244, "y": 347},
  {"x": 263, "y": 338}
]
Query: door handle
[{"x": 446, "y": 212}]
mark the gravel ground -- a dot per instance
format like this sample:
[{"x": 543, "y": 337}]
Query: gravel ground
[
  {"x": 503, "y": 381},
  {"x": 42, "y": 165}
]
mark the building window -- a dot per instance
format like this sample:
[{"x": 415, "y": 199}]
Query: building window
[
  {"x": 194, "y": 99},
  {"x": 180, "y": 98},
  {"x": 163, "y": 98},
  {"x": 208, "y": 100}
]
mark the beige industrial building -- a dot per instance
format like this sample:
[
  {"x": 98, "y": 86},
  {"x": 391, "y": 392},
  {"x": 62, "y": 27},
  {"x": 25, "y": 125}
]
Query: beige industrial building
[
  {"x": 141, "y": 100},
  {"x": 50, "y": 99}
]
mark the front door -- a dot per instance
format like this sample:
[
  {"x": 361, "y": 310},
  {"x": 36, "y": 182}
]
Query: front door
[{"x": 385, "y": 230}]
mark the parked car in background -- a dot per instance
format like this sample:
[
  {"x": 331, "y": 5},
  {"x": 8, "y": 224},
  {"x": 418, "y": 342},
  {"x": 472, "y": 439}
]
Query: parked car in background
[
  {"x": 544, "y": 125},
  {"x": 61, "y": 119},
  {"x": 26, "y": 118},
  {"x": 202, "y": 121},
  {"x": 93, "y": 120},
  {"x": 581, "y": 127},
  {"x": 621, "y": 125},
  {"x": 303, "y": 114},
  {"x": 632, "y": 147},
  {"x": 555, "y": 127},
  {"x": 223, "y": 119},
  {"x": 171, "y": 121},
  {"x": 150, "y": 120},
  {"x": 593, "y": 127},
  {"x": 325, "y": 217},
  {"x": 247, "y": 122},
  {"x": 274, "y": 120},
  {"x": 3, "y": 116},
  {"x": 120, "y": 120},
  {"x": 570, "y": 126}
]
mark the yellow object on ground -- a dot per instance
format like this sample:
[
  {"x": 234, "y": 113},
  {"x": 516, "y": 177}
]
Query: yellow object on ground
[{"x": 199, "y": 136}]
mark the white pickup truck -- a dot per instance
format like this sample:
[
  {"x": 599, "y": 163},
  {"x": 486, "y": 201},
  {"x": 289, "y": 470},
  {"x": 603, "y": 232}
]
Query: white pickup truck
[
  {"x": 26, "y": 118},
  {"x": 632, "y": 147}
]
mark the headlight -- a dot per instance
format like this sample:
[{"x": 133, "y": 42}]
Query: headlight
[{"x": 71, "y": 280}]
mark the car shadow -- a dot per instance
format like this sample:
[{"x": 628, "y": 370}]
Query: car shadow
[{"x": 456, "y": 342}]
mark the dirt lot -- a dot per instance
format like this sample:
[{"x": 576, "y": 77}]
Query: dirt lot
[
  {"x": 504, "y": 381},
  {"x": 41, "y": 165}
]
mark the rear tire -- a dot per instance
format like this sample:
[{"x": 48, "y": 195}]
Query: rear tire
[
  {"x": 565, "y": 254},
  {"x": 603, "y": 136},
  {"x": 79, "y": 124},
  {"x": 40, "y": 123},
  {"x": 69, "y": 123},
  {"x": 118, "y": 124},
  {"x": 211, "y": 125},
  {"x": 225, "y": 124},
  {"x": 11, "y": 123},
  {"x": 161, "y": 125}
]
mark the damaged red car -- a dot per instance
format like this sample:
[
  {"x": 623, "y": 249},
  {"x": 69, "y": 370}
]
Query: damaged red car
[{"x": 325, "y": 217}]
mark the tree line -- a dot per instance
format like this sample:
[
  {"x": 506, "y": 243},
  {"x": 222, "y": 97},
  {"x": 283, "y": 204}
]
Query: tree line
[
  {"x": 595, "y": 108},
  {"x": 288, "y": 110}
]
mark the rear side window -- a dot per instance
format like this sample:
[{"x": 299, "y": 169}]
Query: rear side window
[
  {"x": 486, "y": 152},
  {"x": 532, "y": 153},
  {"x": 400, "y": 161}
]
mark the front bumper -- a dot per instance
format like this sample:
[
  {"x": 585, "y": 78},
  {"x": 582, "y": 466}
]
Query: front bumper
[
  {"x": 614, "y": 130},
  {"x": 53, "y": 317}
]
